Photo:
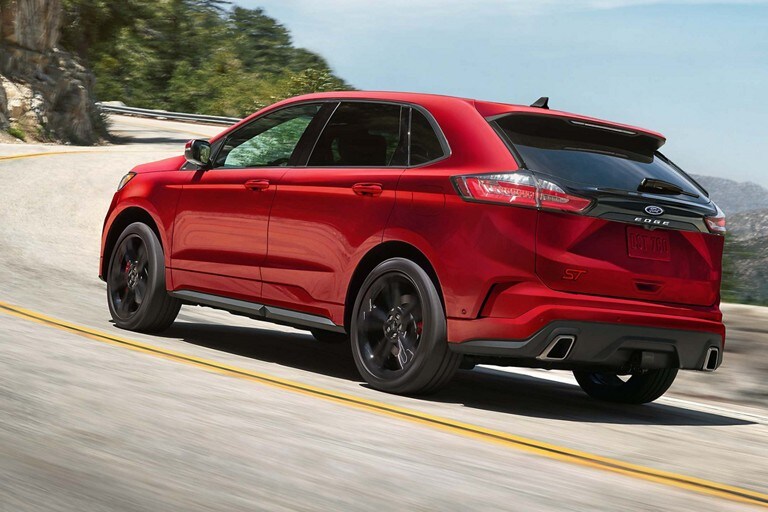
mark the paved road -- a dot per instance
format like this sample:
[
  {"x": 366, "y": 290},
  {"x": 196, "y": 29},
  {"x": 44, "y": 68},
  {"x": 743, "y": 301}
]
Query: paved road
[{"x": 88, "y": 424}]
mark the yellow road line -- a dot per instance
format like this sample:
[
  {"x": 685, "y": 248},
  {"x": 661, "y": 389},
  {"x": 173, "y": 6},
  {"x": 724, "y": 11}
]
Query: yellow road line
[
  {"x": 31, "y": 155},
  {"x": 75, "y": 152},
  {"x": 468, "y": 430}
]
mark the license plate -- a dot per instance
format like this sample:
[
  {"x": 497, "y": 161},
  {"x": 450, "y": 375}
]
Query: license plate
[{"x": 647, "y": 245}]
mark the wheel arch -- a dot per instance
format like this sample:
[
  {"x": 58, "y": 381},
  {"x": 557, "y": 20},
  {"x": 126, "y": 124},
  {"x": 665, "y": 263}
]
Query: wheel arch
[
  {"x": 379, "y": 254},
  {"x": 124, "y": 219}
]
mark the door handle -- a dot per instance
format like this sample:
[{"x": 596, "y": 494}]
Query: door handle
[
  {"x": 367, "y": 189},
  {"x": 256, "y": 184}
]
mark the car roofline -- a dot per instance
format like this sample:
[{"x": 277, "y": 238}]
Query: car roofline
[{"x": 487, "y": 109}]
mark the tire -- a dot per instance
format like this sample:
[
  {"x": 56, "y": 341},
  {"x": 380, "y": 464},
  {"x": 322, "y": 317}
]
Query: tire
[
  {"x": 398, "y": 331},
  {"x": 136, "y": 294},
  {"x": 330, "y": 337},
  {"x": 639, "y": 389}
]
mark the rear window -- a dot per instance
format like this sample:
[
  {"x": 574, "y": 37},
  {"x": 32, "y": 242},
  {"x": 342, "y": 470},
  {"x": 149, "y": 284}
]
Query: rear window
[
  {"x": 589, "y": 155},
  {"x": 361, "y": 135}
]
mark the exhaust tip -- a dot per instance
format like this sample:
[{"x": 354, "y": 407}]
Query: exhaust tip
[
  {"x": 559, "y": 348},
  {"x": 710, "y": 361}
]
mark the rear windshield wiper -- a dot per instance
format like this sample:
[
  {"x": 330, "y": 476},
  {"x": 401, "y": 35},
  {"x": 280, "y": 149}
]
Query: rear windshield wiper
[{"x": 662, "y": 187}]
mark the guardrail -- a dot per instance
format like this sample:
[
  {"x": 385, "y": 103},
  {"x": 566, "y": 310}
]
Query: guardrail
[{"x": 164, "y": 114}]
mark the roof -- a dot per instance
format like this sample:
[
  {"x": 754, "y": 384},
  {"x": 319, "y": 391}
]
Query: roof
[{"x": 485, "y": 108}]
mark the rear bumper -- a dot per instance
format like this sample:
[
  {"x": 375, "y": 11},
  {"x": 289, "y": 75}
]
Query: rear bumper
[
  {"x": 602, "y": 346},
  {"x": 519, "y": 322}
]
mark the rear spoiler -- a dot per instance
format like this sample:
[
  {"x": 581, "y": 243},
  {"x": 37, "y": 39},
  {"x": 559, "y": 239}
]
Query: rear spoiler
[
  {"x": 492, "y": 111},
  {"x": 539, "y": 122}
]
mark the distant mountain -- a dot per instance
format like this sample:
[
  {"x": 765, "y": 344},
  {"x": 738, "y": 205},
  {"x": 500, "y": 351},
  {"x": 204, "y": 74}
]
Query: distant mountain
[
  {"x": 745, "y": 258},
  {"x": 733, "y": 196},
  {"x": 750, "y": 224}
]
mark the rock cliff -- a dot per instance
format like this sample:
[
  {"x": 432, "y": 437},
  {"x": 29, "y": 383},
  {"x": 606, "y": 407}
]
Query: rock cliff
[{"x": 45, "y": 93}]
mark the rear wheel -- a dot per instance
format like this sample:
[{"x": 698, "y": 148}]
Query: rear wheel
[
  {"x": 640, "y": 388},
  {"x": 136, "y": 294},
  {"x": 398, "y": 331}
]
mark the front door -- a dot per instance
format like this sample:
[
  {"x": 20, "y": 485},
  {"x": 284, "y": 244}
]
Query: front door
[{"x": 220, "y": 232}]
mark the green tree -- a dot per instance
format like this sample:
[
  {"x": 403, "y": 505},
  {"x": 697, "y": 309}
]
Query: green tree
[
  {"x": 191, "y": 55},
  {"x": 262, "y": 44}
]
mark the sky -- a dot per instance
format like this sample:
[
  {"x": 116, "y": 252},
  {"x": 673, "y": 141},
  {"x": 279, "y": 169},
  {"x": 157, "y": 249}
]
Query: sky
[{"x": 696, "y": 70}]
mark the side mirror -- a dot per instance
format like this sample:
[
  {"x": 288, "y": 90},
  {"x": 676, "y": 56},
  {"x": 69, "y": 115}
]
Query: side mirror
[{"x": 198, "y": 152}]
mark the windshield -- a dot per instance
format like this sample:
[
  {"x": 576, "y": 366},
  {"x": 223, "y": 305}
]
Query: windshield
[{"x": 585, "y": 154}]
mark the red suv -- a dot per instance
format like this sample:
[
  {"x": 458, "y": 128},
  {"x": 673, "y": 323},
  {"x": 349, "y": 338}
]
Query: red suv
[{"x": 433, "y": 232}]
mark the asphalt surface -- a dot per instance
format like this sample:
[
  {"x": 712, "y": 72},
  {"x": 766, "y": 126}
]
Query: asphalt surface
[{"x": 89, "y": 425}]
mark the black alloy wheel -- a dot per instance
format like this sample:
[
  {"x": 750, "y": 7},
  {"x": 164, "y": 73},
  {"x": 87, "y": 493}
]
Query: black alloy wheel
[
  {"x": 391, "y": 324},
  {"x": 136, "y": 294},
  {"x": 638, "y": 388},
  {"x": 128, "y": 276},
  {"x": 398, "y": 331}
]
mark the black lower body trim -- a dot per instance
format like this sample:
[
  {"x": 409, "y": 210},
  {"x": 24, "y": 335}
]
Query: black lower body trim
[
  {"x": 258, "y": 311},
  {"x": 601, "y": 346}
]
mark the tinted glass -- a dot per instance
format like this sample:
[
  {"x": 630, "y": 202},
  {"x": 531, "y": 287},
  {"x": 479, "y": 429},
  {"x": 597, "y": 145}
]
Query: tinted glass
[
  {"x": 360, "y": 135},
  {"x": 425, "y": 145},
  {"x": 590, "y": 156},
  {"x": 269, "y": 141}
]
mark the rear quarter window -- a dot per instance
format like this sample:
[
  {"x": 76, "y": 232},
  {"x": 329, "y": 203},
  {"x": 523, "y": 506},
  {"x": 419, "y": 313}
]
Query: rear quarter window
[{"x": 425, "y": 144}]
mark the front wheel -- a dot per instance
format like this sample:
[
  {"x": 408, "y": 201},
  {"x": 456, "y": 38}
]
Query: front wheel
[
  {"x": 398, "y": 331},
  {"x": 640, "y": 388},
  {"x": 136, "y": 294}
]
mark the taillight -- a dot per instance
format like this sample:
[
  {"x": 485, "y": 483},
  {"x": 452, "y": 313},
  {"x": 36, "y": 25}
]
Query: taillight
[
  {"x": 553, "y": 197},
  {"x": 520, "y": 189},
  {"x": 716, "y": 224}
]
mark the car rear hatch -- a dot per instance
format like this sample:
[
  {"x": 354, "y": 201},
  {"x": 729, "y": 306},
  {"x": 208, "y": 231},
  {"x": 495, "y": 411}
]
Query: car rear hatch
[{"x": 647, "y": 231}]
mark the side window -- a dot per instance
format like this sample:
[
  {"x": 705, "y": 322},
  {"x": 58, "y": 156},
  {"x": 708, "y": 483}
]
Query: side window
[
  {"x": 425, "y": 144},
  {"x": 361, "y": 135},
  {"x": 268, "y": 141}
]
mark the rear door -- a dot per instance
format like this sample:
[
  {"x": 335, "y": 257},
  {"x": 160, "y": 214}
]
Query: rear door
[
  {"x": 330, "y": 212},
  {"x": 645, "y": 235},
  {"x": 220, "y": 232}
]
